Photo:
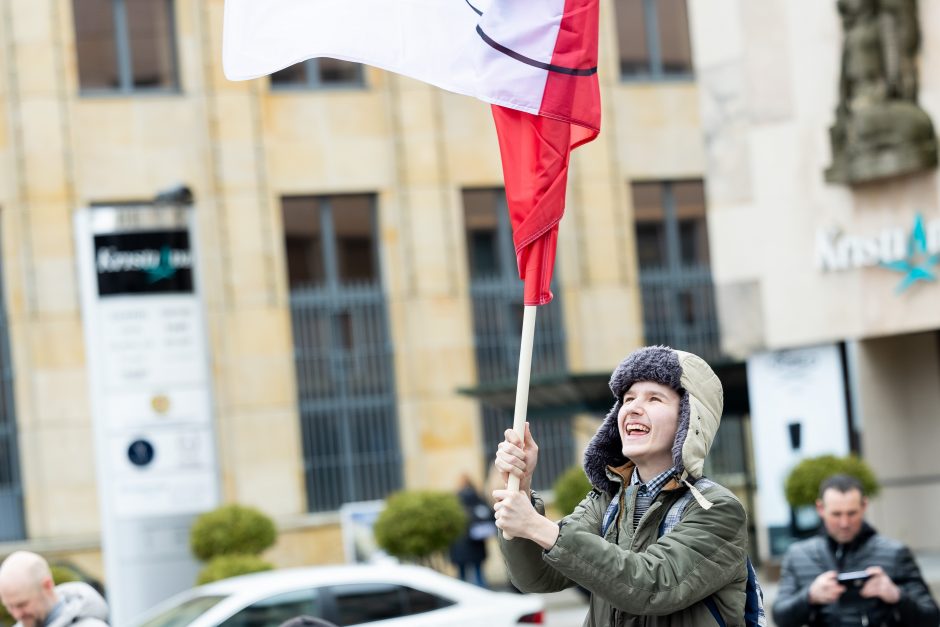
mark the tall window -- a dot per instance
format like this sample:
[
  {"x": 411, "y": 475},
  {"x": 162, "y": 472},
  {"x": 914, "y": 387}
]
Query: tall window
[
  {"x": 319, "y": 73},
  {"x": 672, "y": 250},
  {"x": 125, "y": 45},
  {"x": 496, "y": 295},
  {"x": 11, "y": 493},
  {"x": 654, "y": 39},
  {"x": 342, "y": 350}
]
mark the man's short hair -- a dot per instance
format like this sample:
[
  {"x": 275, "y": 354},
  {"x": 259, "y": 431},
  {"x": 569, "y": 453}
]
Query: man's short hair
[{"x": 841, "y": 483}]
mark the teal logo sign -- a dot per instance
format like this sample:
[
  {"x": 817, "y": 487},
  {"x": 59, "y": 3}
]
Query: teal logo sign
[
  {"x": 141, "y": 263},
  {"x": 167, "y": 265},
  {"x": 919, "y": 263},
  {"x": 914, "y": 253}
]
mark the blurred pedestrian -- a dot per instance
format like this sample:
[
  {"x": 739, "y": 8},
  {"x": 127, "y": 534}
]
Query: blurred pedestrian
[
  {"x": 33, "y": 600},
  {"x": 469, "y": 551},
  {"x": 654, "y": 542},
  {"x": 849, "y": 574}
]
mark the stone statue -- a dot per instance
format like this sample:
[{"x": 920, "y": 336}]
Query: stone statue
[{"x": 879, "y": 131}]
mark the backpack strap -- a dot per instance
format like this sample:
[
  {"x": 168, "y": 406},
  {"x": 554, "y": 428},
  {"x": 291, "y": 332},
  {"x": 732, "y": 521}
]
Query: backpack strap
[
  {"x": 713, "y": 608},
  {"x": 673, "y": 517},
  {"x": 675, "y": 513}
]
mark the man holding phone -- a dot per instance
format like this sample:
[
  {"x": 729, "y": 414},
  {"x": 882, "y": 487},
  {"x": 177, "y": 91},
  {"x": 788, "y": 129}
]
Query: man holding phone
[{"x": 850, "y": 574}]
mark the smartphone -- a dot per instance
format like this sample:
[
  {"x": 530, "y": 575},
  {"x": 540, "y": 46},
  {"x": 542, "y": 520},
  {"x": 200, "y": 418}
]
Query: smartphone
[{"x": 856, "y": 577}]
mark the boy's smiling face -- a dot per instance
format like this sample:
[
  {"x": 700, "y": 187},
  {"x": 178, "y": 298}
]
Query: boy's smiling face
[{"x": 647, "y": 423}]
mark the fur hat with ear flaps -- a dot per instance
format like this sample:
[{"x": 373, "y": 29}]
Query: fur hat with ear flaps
[{"x": 700, "y": 405}]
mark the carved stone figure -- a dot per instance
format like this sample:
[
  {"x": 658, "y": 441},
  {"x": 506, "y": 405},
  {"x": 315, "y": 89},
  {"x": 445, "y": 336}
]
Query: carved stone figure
[{"x": 879, "y": 131}]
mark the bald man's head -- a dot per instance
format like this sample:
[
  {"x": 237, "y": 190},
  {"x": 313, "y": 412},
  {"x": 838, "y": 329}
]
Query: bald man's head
[{"x": 26, "y": 588}]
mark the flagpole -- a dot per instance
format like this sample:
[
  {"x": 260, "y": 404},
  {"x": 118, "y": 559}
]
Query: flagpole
[{"x": 522, "y": 384}]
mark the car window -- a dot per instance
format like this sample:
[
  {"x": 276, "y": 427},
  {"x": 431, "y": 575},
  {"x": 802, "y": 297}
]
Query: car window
[
  {"x": 184, "y": 613},
  {"x": 420, "y": 601},
  {"x": 365, "y": 603},
  {"x": 274, "y": 610}
]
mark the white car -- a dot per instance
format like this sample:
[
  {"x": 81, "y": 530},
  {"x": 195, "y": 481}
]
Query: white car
[{"x": 374, "y": 595}]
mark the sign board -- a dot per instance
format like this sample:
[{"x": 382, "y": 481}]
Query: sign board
[
  {"x": 914, "y": 254},
  {"x": 798, "y": 410},
  {"x": 357, "y": 520},
  {"x": 148, "y": 369}
]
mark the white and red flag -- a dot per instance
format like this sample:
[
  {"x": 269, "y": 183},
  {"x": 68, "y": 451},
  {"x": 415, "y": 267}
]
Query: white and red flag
[{"x": 535, "y": 61}]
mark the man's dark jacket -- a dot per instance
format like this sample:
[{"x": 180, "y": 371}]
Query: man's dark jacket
[{"x": 810, "y": 558}]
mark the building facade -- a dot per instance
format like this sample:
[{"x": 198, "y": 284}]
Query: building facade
[
  {"x": 360, "y": 294},
  {"x": 804, "y": 267}
]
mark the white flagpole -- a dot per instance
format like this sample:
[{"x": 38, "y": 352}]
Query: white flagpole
[{"x": 522, "y": 384}]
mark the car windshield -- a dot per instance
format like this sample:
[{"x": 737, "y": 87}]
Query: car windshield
[{"x": 184, "y": 613}]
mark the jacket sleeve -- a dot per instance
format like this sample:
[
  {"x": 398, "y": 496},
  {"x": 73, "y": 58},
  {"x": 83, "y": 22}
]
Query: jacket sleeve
[
  {"x": 701, "y": 555},
  {"x": 917, "y": 607},
  {"x": 791, "y": 607},
  {"x": 528, "y": 571}
]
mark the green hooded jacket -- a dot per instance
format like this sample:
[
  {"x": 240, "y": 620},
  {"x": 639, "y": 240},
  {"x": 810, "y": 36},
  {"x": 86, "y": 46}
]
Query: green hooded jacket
[{"x": 636, "y": 577}]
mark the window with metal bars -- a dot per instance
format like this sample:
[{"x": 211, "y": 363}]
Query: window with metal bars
[
  {"x": 319, "y": 73},
  {"x": 496, "y": 295},
  {"x": 675, "y": 275},
  {"x": 342, "y": 350},
  {"x": 653, "y": 38},
  {"x": 11, "y": 489},
  {"x": 125, "y": 46}
]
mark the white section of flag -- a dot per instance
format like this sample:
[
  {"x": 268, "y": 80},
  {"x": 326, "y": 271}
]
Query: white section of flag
[{"x": 435, "y": 41}]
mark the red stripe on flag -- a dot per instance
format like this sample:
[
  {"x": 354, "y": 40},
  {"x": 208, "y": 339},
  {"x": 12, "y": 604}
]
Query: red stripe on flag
[
  {"x": 569, "y": 97},
  {"x": 535, "y": 148},
  {"x": 534, "y": 151}
]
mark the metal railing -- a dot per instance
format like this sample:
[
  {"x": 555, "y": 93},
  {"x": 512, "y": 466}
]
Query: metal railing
[
  {"x": 497, "y": 328},
  {"x": 11, "y": 491},
  {"x": 727, "y": 460},
  {"x": 346, "y": 394},
  {"x": 497, "y": 325},
  {"x": 552, "y": 431},
  {"x": 679, "y": 311}
]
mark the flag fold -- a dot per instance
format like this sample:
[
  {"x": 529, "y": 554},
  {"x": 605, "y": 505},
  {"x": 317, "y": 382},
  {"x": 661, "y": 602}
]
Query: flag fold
[{"x": 536, "y": 62}]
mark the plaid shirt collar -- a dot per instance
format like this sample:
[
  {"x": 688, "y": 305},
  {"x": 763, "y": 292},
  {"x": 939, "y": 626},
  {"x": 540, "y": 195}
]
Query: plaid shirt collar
[{"x": 655, "y": 485}]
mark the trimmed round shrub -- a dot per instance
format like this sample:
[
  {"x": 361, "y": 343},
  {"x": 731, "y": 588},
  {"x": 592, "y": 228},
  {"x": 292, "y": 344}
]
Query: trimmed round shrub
[
  {"x": 802, "y": 484},
  {"x": 63, "y": 574},
  {"x": 233, "y": 565},
  {"x": 416, "y": 524},
  {"x": 229, "y": 530},
  {"x": 570, "y": 489}
]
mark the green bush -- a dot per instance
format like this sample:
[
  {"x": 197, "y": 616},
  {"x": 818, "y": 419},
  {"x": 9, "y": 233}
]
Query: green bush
[
  {"x": 802, "y": 484},
  {"x": 417, "y": 524},
  {"x": 570, "y": 489},
  {"x": 232, "y": 565},
  {"x": 60, "y": 574},
  {"x": 231, "y": 529},
  {"x": 63, "y": 574}
]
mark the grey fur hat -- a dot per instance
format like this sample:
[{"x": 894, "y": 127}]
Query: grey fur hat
[{"x": 701, "y": 400}]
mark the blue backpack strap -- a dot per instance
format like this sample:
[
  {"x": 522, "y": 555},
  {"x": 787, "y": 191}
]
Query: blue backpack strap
[
  {"x": 610, "y": 516},
  {"x": 672, "y": 518},
  {"x": 713, "y": 608},
  {"x": 754, "y": 601}
]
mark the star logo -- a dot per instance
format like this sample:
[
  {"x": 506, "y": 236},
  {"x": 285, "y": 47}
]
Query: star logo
[
  {"x": 919, "y": 265},
  {"x": 164, "y": 270}
]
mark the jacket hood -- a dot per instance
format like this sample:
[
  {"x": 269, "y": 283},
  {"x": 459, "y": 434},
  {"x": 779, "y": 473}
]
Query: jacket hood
[
  {"x": 79, "y": 602},
  {"x": 700, "y": 405}
]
